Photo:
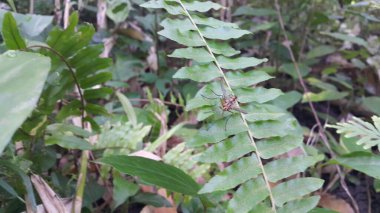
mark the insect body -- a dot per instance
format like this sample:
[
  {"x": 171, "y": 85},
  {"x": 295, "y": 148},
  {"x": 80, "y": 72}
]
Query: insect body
[{"x": 228, "y": 103}]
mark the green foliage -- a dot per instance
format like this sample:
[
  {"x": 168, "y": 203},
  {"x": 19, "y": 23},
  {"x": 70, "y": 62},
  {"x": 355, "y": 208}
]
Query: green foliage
[
  {"x": 233, "y": 135},
  {"x": 184, "y": 159},
  {"x": 30, "y": 25},
  {"x": 23, "y": 77},
  {"x": 153, "y": 172},
  {"x": 10, "y": 33},
  {"x": 368, "y": 134},
  {"x": 361, "y": 161}
]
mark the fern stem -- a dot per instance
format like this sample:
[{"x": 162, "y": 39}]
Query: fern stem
[{"x": 273, "y": 203}]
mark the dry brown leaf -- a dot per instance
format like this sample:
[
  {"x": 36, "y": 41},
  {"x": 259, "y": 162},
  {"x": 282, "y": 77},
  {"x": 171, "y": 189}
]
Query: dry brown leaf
[
  {"x": 337, "y": 204},
  {"x": 51, "y": 201}
]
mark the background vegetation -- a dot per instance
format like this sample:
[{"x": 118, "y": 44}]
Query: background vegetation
[{"x": 189, "y": 106}]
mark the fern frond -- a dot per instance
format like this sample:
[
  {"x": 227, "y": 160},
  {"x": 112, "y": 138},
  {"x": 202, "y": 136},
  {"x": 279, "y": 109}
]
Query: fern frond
[
  {"x": 235, "y": 138},
  {"x": 368, "y": 134}
]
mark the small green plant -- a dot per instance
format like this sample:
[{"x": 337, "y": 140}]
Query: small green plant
[
  {"x": 368, "y": 134},
  {"x": 250, "y": 143}
]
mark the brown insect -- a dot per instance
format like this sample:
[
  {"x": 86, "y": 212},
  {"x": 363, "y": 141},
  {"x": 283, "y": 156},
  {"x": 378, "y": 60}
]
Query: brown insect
[{"x": 228, "y": 103}]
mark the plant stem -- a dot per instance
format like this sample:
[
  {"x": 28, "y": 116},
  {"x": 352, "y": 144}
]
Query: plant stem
[{"x": 273, "y": 204}]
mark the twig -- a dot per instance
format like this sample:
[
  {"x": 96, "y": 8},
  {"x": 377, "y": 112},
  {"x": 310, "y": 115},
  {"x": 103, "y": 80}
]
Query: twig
[
  {"x": 57, "y": 12},
  {"x": 101, "y": 20},
  {"x": 306, "y": 90},
  {"x": 31, "y": 6},
  {"x": 66, "y": 14}
]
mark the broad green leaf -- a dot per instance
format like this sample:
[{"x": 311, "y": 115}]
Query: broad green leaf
[
  {"x": 361, "y": 161},
  {"x": 212, "y": 22},
  {"x": 320, "y": 84},
  {"x": 118, "y": 10},
  {"x": 278, "y": 145},
  {"x": 295, "y": 189},
  {"x": 63, "y": 128},
  {"x": 199, "y": 73},
  {"x": 223, "y": 33},
  {"x": 285, "y": 167},
  {"x": 288, "y": 99},
  {"x": 245, "y": 79},
  {"x": 96, "y": 109},
  {"x": 239, "y": 63},
  {"x": 128, "y": 108},
  {"x": 248, "y": 196},
  {"x": 68, "y": 142},
  {"x": 263, "y": 27},
  {"x": 300, "y": 206},
  {"x": 153, "y": 172},
  {"x": 25, "y": 180},
  {"x": 372, "y": 103},
  {"x": 187, "y": 38},
  {"x": 173, "y": 25},
  {"x": 263, "y": 112},
  {"x": 327, "y": 95},
  {"x": 239, "y": 172},
  {"x": 122, "y": 190},
  {"x": 11, "y": 34},
  {"x": 201, "y": 6},
  {"x": 320, "y": 51},
  {"x": 96, "y": 79},
  {"x": 263, "y": 116},
  {"x": 345, "y": 37},
  {"x": 90, "y": 94},
  {"x": 291, "y": 70},
  {"x": 31, "y": 25},
  {"x": 279, "y": 128},
  {"x": 258, "y": 94},
  {"x": 262, "y": 208},
  {"x": 22, "y": 80},
  {"x": 222, "y": 48},
  {"x": 175, "y": 9},
  {"x": 200, "y": 55},
  {"x": 222, "y": 129},
  {"x": 73, "y": 108},
  {"x": 227, "y": 150},
  {"x": 249, "y": 11}
]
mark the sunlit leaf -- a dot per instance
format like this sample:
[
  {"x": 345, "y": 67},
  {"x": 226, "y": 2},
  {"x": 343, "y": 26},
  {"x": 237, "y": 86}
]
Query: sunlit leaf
[
  {"x": 295, "y": 189},
  {"x": 200, "y": 73},
  {"x": 361, "y": 161},
  {"x": 258, "y": 94},
  {"x": 228, "y": 150},
  {"x": 239, "y": 63},
  {"x": 244, "y": 79},
  {"x": 282, "y": 168},
  {"x": 197, "y": 54},
  {"x": 239, "y": 172},
  {"x": 248, "y": 195},
  {"x": 23, "y": 78}
]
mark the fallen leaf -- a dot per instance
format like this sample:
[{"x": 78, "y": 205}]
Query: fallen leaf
[{"x": 334, "y": 203}]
